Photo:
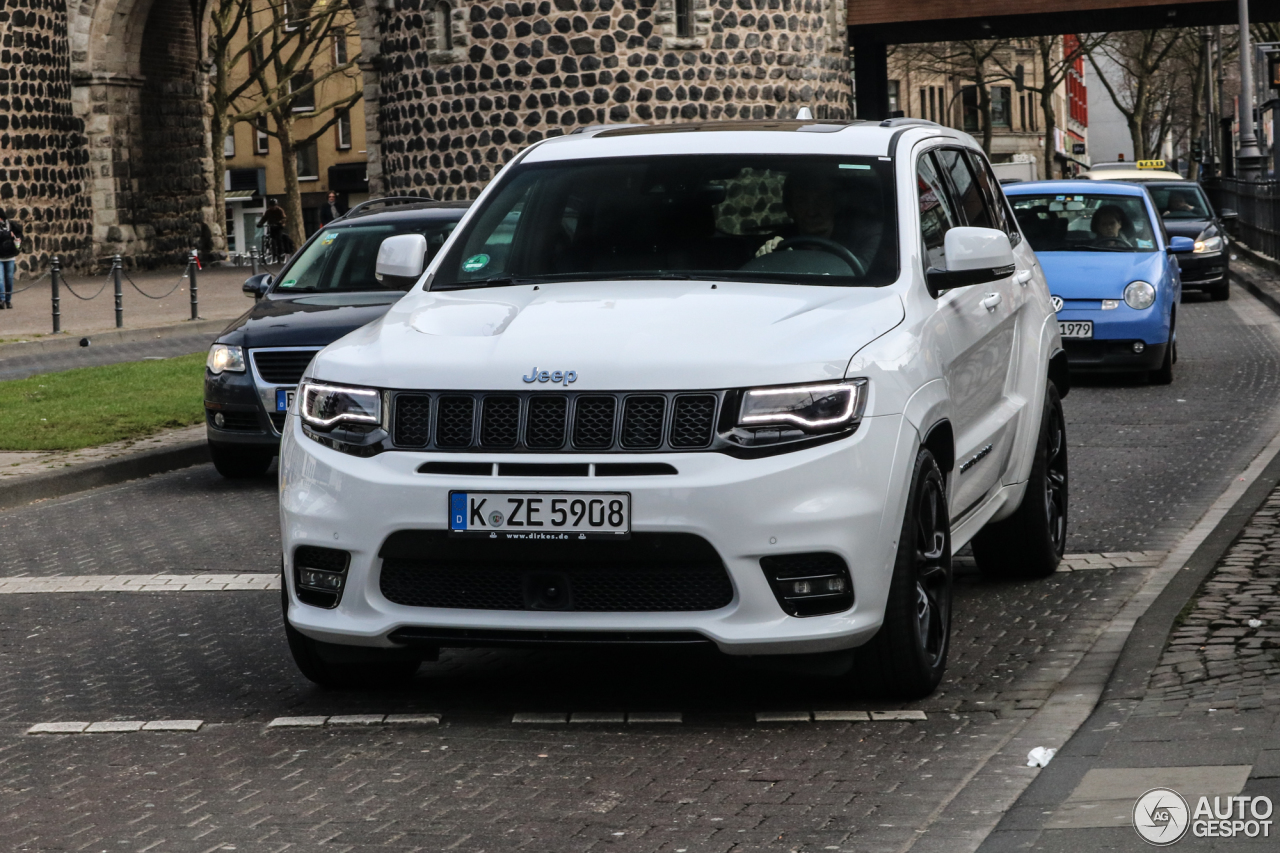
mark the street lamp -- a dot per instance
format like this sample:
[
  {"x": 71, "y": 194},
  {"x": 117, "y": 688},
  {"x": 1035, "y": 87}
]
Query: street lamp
[{"x": 1248, "y": 156}]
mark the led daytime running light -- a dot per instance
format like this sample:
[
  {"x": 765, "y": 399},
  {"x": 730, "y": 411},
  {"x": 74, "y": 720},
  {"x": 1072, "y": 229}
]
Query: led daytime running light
[
  {"x": 367, "y": 413},
  {"x": 852, "y": 393}
]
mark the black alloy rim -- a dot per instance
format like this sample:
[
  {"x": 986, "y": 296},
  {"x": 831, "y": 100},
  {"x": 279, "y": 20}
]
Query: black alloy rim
[
  {"x": 1055, "y": 482},
  {"x": 933, "y": 572}
]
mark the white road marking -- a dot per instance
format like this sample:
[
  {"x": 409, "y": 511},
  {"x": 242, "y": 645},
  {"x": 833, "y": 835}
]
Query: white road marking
[
  {"x": 115, "y": 726},
  {"x": 540, "y": 718},
  {"x": 112, "y": 726},
  {"x": 598, "y": 717},
  {"x": 357, "y": 719},
  {"x": 139, "y": 583},
  {"x": 898, "y": 715},
  {"x": 644, "y": 717},
  {"x": 173, "y": 726},
  {"x": 296, "y": 722},
  {"x": 783, "y": 716},
  {"x": 57, "y": 728},
  {"x": 840, "y": 716}
]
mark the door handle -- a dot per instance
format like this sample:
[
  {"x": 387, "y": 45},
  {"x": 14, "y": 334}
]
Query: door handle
[
  {"x": 1022, "y": 277},
  {"x": 990, "y": 301}
]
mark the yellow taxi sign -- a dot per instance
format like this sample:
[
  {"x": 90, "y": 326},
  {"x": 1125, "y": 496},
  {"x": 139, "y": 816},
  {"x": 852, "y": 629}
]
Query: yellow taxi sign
[{"x": 1150, "y": 164}]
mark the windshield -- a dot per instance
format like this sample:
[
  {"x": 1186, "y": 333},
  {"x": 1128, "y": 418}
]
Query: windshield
[
  {"x": 343, "y": 259},
  {"x": 1085, "y": 222},
  {"x": 803, "y": 220},
  {"x": 1185, "y": 202}
]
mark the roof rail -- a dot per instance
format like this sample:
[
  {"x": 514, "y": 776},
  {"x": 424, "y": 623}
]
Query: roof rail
[
  {"x": 903, "y": 122},
  {"x": 596, "y": 128},
  {"x": 388, "y": 201}
]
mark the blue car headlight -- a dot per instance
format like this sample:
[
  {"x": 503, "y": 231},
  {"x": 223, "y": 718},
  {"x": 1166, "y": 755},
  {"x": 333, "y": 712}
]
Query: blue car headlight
[{"x": 1139, "y": 295}]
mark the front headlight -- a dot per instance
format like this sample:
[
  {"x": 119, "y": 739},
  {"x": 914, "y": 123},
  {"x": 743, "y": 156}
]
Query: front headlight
[
  {"x": 1139, "y": 295},
  {"x": 225, "y": 358},
  {"x": 796, "y": 412},
  {"x": 325, "y": 406},
  {"x": 1206, "y": 247}
]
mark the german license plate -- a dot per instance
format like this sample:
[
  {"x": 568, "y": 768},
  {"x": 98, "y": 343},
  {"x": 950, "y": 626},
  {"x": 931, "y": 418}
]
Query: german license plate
[
  {"x": 559, "y": 516},
  {"x": 1075, "y": 328},
  {"x": 284, "y": 398}
]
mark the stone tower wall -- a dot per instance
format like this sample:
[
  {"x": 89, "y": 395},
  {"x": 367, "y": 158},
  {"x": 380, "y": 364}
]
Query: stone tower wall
[
  {"x": 457, "y": 105},
  {"x": 44, "y": 164}
]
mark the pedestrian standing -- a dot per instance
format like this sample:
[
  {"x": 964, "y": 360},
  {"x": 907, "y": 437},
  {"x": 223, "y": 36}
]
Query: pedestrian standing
[
  {"x": 332, "y": 209},
  {"x": 10, "y": 245}
]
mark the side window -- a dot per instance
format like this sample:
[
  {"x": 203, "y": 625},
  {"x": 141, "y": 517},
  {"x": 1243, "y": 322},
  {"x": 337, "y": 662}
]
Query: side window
[
  {"x": 936, "y": 215},
  {"x": 969, "y": 195},
  {"x": 995, "y": 197}
]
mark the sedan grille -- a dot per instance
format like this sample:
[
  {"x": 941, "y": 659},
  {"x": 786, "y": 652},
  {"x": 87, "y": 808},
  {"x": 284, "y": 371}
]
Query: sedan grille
[
  {"x": 282, "y": 367},
  {"x": 563, "y": 422}
]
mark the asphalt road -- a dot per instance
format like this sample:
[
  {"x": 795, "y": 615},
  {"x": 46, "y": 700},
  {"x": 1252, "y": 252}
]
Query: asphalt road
[{"x": 1145, "y": 462}]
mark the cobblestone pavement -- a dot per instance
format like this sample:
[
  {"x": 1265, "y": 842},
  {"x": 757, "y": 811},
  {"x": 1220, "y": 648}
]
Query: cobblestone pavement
[{"x": 717, "y": 781}]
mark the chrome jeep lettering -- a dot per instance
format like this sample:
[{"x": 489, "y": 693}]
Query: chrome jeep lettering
[{"x": 556, "y": 377}]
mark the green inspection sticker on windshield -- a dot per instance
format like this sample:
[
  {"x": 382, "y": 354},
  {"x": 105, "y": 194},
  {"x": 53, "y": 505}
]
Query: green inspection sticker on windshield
[
  {"x": 289, "y": 281},
  {"x": 475, "y": 263}
]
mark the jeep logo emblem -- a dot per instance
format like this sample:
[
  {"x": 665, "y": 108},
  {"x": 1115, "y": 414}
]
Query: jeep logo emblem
[{"x": 559, "y": 377}]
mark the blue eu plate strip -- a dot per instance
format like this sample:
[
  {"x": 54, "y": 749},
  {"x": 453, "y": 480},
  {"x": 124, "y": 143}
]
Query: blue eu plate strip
[
  {"x": 282, "y": 400},
  {"x": 458, "y": 511}
]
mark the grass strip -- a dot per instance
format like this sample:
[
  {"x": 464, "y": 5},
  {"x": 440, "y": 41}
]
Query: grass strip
[{"x": 90, "y": 406}]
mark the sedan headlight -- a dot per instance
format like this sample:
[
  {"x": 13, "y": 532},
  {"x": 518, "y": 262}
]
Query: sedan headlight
[
  {"x": 1139, "y": 295},
  {"x": 225, "y": 359},
  {"x": 325, "y": 406},
  {"x": 1208, "y": 247}
]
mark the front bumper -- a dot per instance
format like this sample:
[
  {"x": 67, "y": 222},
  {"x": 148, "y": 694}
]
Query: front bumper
[
  {"x": 1114, "y": 334},
  {"x": 245, "y": 418},
  {"x": 844, "y": 497},
  {"x": 1199, "y": 271}
]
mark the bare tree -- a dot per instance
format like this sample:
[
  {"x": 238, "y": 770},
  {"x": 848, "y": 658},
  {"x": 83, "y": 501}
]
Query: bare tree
[
  {"x": 289, "y": 74},
  {"x": 971, "y": 61},
  {"x": 1141, "y": 96},
  {"x": 1055, "y": 64}
]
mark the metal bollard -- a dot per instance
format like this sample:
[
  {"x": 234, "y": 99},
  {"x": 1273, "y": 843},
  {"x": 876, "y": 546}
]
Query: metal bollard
[
  {"x": 117, "y": 269},
  {"x": 55, "y": 271},
  {"x": 193, "y": 264},
  {"x": 253, "y": 256}
]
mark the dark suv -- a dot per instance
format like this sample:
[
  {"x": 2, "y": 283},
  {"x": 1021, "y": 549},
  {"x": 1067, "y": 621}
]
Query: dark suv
[{"x": 327, "y": 289}]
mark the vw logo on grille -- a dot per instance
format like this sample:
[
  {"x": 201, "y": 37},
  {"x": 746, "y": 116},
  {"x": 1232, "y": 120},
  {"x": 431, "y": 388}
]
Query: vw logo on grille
[{"x": 1057, "y": 303}]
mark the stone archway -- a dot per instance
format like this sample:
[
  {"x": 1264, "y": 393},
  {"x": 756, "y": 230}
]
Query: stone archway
[{"x": 140, "y": 88}]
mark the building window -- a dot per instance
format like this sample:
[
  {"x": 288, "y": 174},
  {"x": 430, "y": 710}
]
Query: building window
[
  {"x": 261, "y": 142},
  {"x": 442, "y": 26},
  {"x": 684, "y": 19},
  {"x": 969, "y": 100},
  {"x": 229, "y": 144},
  {"x": 924, "y": 106},
  {"x": 933, "y": 106},
  {"x": 1001, "y": 107},
  {"x": 308, "y": 162},
  {"x": 895, "y": 106},
  {"x": 340, "y": 47},
  {"x": 344, "y": 128},
  {"x": 230, "y": 227},
  {"x": 305, "y": 100}
]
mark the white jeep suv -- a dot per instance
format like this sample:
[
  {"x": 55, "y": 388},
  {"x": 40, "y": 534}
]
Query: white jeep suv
[{"x": 748, "y": 384}]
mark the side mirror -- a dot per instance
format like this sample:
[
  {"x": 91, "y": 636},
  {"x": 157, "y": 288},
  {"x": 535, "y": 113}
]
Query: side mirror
[
  {"x": 1181, "y": 245},
  {"x": 1228, "y": 215},
  {"x": 974, "y": 256},
  {"x": 257, "y": 285},
  {"x": 403, "y": 255}
]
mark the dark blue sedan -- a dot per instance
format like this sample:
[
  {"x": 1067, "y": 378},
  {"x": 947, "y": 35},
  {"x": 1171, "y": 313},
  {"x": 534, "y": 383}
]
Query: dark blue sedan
[{"x": 1112, "y": 272}]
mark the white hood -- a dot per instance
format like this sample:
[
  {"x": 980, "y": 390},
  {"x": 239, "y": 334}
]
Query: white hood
[{"x": 616, "y": 336}]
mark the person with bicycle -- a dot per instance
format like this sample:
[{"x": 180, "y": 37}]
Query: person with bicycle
[{"x": 273, "y": 220}]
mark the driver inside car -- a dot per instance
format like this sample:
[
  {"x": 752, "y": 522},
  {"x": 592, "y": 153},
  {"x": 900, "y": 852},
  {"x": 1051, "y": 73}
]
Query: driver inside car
[
  {"x": 1108, "y": 225},
  {"x": 809, "y": 200}
]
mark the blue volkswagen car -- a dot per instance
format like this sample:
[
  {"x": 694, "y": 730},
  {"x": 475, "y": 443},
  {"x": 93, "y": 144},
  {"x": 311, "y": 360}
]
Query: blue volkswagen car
[{"x": 1112, "y": 272}]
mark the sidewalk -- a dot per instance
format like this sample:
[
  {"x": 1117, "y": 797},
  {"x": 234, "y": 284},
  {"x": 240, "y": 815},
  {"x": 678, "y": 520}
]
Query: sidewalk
[{"x": 218, "y": 290}]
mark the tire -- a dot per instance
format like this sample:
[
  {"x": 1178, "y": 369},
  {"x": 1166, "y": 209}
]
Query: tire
[
  {"x": 1030, "y": 543},
  {"x": 908, "y": 656},
  {"x": 1163, "y": 375},
  {"x": 236, "y": 462},
  {"x": 1221, "y": 292},
  {"x": 308, "y": 657}
]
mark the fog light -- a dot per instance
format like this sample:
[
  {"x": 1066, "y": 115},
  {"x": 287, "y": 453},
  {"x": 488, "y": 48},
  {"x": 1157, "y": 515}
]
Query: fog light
[
  {"x": 1139, "y": 346},
  {"x": 809, "y": 584},
  {"x": 219, "y": 421},
  {"x": 315, "y": 579}
]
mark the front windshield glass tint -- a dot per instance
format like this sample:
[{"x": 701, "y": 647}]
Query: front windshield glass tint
[
  {"x": 1084, "y": 222},
  {"x": 343, "y": 259},
  {"x": 1186, "y": 202},
  {"x": 804, "y": 220}
]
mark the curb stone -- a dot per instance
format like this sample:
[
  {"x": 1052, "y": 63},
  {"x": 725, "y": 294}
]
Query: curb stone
[
  {"x": 106, "y": 472},
  {"x": 66, "y": 341}
]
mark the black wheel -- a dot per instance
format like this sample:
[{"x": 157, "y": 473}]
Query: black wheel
[
  {"x": 309, "y": 655},
  {"x": 236, "y": 462},
  {"x": 1030, "y": 543},
  {"x": 907, "y": 657},
  {"x": 1163, "y": 375},
  {"x": 1221, "y": 292}
]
